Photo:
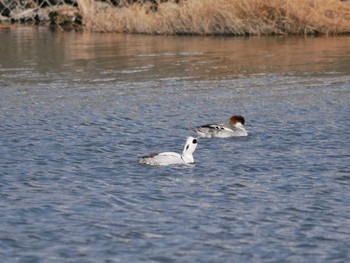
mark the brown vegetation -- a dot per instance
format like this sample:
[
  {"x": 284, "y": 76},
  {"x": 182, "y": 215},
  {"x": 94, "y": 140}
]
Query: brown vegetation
[{"x": 214, "y": 17}]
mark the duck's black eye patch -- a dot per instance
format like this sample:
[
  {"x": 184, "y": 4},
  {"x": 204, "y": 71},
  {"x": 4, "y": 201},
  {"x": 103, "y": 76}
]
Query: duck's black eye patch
[{"x": 194, "y": 141}]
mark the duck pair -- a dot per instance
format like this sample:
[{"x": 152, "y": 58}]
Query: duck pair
[{"x": 233, "y": 129}]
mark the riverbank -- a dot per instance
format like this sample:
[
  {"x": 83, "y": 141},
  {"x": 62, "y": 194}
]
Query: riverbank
[
  {"x": 211, "y": 17},
  {"x": 224, "y": 17},
  {"x": 64, "y": 17}
]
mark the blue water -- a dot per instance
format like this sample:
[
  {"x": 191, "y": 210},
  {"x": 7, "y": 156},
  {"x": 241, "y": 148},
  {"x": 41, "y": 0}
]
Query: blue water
[{"x": 78, "y": 110}]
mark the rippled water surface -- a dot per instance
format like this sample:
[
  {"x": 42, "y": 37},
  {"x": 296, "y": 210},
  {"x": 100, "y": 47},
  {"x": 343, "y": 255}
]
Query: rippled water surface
[{"x": 78, "y": 110}]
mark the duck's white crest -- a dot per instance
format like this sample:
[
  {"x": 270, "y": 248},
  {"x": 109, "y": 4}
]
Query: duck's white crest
[
  {"x": 233, "y": 129},
  {"x": 168, "y": 158}
]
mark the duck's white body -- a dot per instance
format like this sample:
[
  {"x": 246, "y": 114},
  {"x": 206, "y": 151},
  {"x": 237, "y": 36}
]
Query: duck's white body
[
  {"x": 233, "y": 129},
  {"x": 169, "y": 158}
]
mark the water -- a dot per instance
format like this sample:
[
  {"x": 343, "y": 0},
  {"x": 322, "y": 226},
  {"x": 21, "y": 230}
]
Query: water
[{"x": 78, "y": 110}]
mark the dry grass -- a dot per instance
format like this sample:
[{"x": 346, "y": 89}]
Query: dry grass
[{"x": 229, "y": 17}]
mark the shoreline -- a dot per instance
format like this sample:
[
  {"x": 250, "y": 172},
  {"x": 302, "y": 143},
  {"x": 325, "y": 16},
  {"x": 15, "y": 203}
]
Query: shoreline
[{"x": 193, "y": 17}]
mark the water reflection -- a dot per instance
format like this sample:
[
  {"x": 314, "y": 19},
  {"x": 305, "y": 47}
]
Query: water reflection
[{"x": 121, "y": 57}]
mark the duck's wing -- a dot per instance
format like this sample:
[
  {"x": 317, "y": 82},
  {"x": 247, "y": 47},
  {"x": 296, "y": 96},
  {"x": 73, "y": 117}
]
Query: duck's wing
[
  {"x": 169, "y": 158},
  {"x": 213, "y": 130},
  {"x": 165, "y": 158},
  {"x": 215, "y": 127}
]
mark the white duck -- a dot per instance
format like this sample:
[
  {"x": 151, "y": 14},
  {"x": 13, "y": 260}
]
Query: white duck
[
  {"x": 234, "y": 128},
  {"x": 167, "y": 158}
]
